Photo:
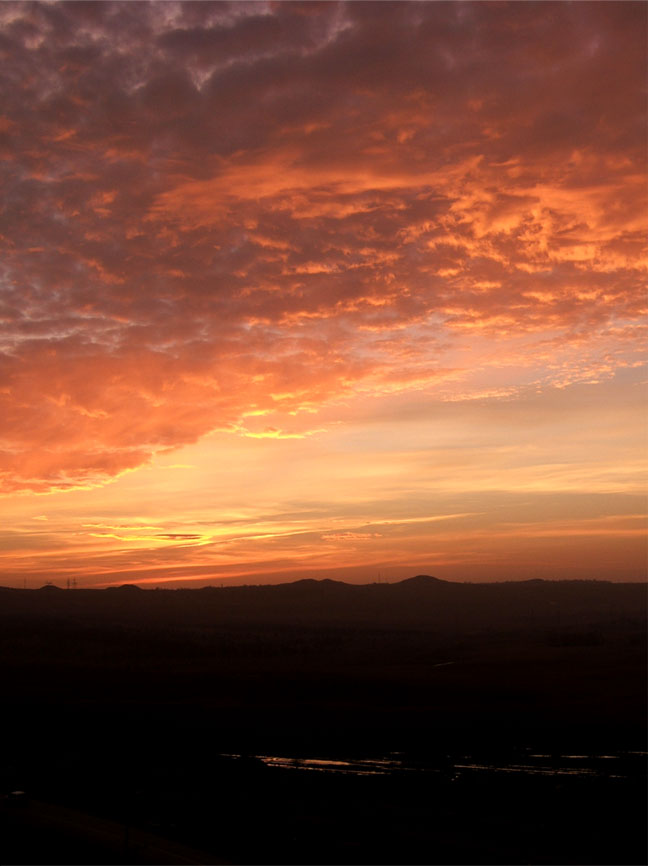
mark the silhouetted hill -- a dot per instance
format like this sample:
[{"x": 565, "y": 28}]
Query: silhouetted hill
[
  {"x": 125, "y": 587},
  {"x": 421, "y": 580},
  {"x": 306, "y": 587},
  {"x": 418, "y": 602}
]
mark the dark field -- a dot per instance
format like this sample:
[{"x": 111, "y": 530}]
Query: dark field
[{"x": 517, "y": 712}]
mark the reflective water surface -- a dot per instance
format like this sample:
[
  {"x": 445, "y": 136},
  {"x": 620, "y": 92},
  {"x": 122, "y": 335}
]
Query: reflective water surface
[{"x": 619, "y": 765}]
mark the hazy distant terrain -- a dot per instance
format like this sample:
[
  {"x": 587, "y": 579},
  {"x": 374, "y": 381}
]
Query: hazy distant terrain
[{"x": 128, "y": 699}]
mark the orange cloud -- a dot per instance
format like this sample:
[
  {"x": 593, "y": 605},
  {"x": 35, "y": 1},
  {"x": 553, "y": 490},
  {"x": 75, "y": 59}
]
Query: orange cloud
[{"x": 221, "y": 225}]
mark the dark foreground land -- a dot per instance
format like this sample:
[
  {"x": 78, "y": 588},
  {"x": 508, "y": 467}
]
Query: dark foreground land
[{"x": 320, "y": 722}]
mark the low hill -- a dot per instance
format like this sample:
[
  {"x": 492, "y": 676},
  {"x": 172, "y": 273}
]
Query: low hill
[{"x": 421, "y": 601}]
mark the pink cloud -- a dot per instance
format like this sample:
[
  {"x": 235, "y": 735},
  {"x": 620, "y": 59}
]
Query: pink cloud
[{"x": 215, "y": 209}]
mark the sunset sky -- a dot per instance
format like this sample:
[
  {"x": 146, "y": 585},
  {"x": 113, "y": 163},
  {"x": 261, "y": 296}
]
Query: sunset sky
[{"x": 350, "y": 290}]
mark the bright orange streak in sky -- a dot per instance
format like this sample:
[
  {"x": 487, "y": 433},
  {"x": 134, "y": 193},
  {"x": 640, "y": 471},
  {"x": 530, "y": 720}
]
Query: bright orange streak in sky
[{"x": 333, "y": 289}]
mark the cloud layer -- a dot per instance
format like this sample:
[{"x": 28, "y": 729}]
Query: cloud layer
[{"x": 236, "y": 216}]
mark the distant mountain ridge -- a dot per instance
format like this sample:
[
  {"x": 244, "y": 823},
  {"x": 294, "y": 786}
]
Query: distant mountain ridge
[
  {"x": 418, "y": 602},
  {"x": 421, "y": 581}
]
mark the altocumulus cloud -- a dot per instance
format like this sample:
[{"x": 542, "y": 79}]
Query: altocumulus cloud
[{"x": 218, "y": 210}]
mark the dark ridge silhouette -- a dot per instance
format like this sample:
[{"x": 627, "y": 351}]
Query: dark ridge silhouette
[
  {"x": 309, "y": 583},
  {"x": 422, "y": 580},
  {"x": 425, "y": 584},
  {"x": 421, "y": 601},
  {"x": 48, "y": 587},
  {"x": 125, "y": 587}
]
